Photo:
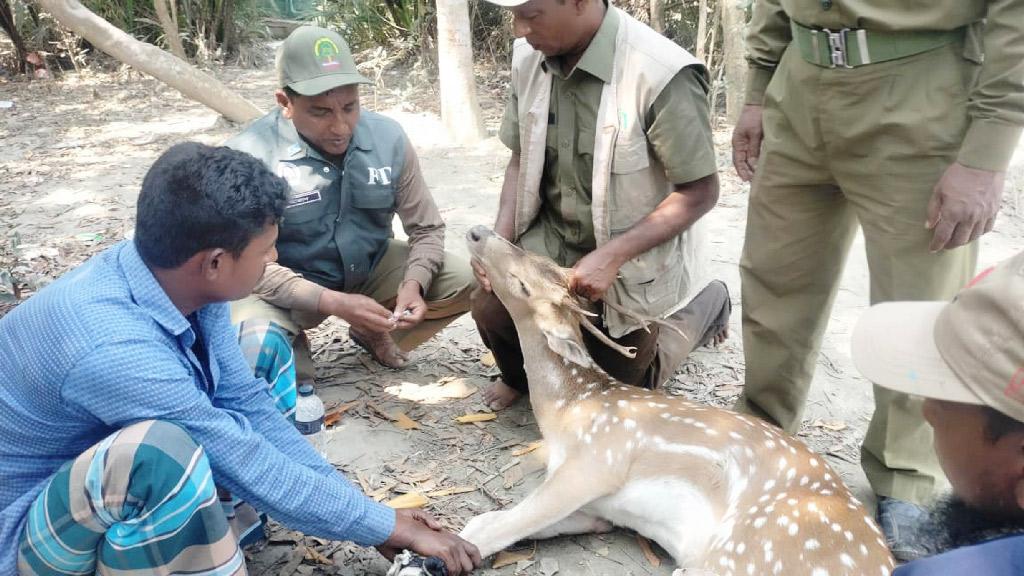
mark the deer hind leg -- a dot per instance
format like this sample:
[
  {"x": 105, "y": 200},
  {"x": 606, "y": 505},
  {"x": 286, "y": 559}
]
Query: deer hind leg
[{"x": 562, "y": 493}]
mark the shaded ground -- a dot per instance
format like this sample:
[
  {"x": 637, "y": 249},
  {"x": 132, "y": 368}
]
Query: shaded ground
[{"x": 74, "y": 153}]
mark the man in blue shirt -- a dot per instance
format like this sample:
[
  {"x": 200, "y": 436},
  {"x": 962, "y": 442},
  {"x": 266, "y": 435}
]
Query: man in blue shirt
[
  {"x": 124, "y": 397},
  {"x": 967, "y": 359}
]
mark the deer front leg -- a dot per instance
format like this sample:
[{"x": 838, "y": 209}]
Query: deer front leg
[
  {"x": 578, "y": 522},
  {"x": 563, "y": 492}
]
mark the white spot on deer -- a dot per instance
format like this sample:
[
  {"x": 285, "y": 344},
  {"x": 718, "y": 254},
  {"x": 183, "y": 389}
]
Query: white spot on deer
[
  {"x": 863, "y": 550},
  {"x": 622, "y": 403},
  {"x": 615, "y": 419},
  {"x": 559, "y": 404},
  {"x": 846, "y": 560},
  {"x": 791, "y": 474},
  {"x": 608, "y": 456},
  {"x": 665, "y": 415},
  {"x": 791, "y": 501},
  {"x": 769, "y": 444},
  {"x": 768, "y": 485},
  {"x": 812, "y": 507},
  {"x": 793, "y": 529},
  {"x": 777, "y": 567},
  {"x": 814, "y": 462},
  {"x": 885, "y": 571},
  {"x": 750, "y": 568},
  {"x": 760, "y": 521},
  {"x": 735, "y": 436},
  {"x": 871, "y": 525},
  {"x": 629, "y": 423},
  {"x": 811, "y": 544},
  {"x": 587, "y": 438},
  {"x": 783, "y": 520},
  {"x": 782, "y": 464},
  {"x": 710, "y": 432},
  {"x": 836, "y": 527},
  {"x": 819, "y": 572},
  {"x": 804, "y": 480},
  {"x": 575, "y": 409}
]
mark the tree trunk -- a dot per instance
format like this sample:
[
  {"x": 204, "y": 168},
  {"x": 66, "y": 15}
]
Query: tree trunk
[
  {"x": 658, "y": 16},
  {"x": 11, "y": 28},
  {"x": 151, "y": 60},
  {"x": 460, "y": 110},
  {"x": 230, "y": 37},
  {"x": 702, "y": 30},
  {"x": 170, "y": 25},
  {"x": 734, "y": 20}
]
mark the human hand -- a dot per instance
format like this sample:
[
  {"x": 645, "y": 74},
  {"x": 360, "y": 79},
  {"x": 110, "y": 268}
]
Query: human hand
[
  {"x": 420, "y": 532},
  {"x": 481, "y": 276},
  {"x": 362, "y": 313},
  {"x": 746, "y": 141},
  {"x": 963, "y": 206},
  {"x": 410, "y": 308},
  {"x": 593, "y": 275}
]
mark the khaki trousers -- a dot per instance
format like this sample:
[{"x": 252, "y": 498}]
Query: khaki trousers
[
  {"x": 843, "y": 146},
  {"x": 447, "y": 299}
]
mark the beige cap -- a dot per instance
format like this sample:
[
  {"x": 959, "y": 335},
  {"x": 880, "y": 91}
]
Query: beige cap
[{"x": 970, "y": 350}]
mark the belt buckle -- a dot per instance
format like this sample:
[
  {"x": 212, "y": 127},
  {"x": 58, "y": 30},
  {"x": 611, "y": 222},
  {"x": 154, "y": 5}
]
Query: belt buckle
[{"x": 837, "y": 47}]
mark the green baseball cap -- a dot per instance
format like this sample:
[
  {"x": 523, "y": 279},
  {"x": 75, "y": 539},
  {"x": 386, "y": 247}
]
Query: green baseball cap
[{"x": 314, "y": 60}]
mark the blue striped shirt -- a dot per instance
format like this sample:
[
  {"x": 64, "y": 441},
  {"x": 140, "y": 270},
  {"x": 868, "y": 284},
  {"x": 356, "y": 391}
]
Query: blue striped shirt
[{"x": 103, "y": 347}]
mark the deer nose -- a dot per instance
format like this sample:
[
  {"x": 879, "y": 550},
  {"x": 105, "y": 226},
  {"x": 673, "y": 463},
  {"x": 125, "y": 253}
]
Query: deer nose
[{"x": 478, "y": 233}]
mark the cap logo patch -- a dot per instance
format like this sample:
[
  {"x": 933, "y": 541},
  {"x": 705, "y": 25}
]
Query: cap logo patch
[
  {"x": 1015, "y": 389},
  {"x": 326, "y": 52}
]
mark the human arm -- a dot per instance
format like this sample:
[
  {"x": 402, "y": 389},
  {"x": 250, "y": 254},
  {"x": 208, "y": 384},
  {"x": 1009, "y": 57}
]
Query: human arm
[
  {"x": 967, "y": 197},
  {"x": 594, "y": 273},
  {"x": 126, "y": 381},
  {"x": 679, "y": 133},
  {"x": 768, "y": 34}
]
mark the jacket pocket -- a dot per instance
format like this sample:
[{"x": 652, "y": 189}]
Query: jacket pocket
[{"x": 630, "y": 155}]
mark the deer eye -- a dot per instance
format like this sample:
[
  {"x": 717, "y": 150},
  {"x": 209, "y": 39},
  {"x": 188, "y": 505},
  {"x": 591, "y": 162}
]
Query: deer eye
[{"x": 517, "y": 283}]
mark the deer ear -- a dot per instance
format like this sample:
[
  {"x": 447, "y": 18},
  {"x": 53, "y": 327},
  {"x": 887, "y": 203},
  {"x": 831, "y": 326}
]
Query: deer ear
[{"x": 561, "y": 336}]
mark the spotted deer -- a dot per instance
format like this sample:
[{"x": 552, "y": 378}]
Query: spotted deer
[{"x": 725, "y": 494}]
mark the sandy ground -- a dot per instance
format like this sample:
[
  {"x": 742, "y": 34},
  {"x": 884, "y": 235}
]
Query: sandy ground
[{"x": 74, "y": 152}]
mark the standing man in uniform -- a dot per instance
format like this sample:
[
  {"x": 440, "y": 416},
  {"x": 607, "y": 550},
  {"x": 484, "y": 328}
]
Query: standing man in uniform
[
  {"x": 612, "y": 163},
  {"x": 350, "y": 172},
  {"x": 902, "y": 118}
]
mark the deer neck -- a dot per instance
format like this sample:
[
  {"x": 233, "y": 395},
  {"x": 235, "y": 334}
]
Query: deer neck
[{"x": 555, "y": 382}]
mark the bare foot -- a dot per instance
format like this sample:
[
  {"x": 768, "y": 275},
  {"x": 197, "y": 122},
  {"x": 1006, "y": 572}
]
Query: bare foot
[
  {"x": 719, "y": 338},
  {"x": 381, "y": 347},
  {"x": 499, "y": 395}
]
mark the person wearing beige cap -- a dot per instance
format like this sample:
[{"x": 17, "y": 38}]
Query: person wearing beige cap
[
  {"x": 613, "y": 165},
  {"x": 350, "y": 172},
  {"x": 966, "y": 358}
]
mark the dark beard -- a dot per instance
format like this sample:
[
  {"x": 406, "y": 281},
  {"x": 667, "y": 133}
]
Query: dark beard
[{"x": 953, "y": 524}]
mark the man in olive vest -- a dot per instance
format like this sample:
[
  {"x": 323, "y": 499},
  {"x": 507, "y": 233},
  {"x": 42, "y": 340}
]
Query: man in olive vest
[
  {"x": 612, "y": 165},
  {"x": 350, "y": 172},
  {"x": 902, "y": 117}
]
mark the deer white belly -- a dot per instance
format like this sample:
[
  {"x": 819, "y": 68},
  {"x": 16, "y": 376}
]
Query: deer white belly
[{"x": 669, "y": 510}]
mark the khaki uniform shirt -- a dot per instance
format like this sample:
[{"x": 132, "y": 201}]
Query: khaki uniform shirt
[
  {"x": 996, "y": 103},
  {"x": 678, "y": 131}
]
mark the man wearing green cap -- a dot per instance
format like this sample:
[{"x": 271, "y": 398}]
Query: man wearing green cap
[
  {"x": 350, "y": 172},
  {"x": 901, "y": 117}
]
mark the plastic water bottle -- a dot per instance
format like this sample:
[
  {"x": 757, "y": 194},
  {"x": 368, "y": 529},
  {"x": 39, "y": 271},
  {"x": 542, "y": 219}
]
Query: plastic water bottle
[{"x": 309, "y": 417}]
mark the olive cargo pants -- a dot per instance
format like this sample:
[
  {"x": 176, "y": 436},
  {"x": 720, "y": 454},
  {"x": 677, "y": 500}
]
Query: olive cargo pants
[{"x": 843, "y": 146}]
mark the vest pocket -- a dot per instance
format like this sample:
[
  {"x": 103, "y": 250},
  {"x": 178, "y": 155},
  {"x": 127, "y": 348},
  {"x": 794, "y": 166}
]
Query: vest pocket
[{"x": 630, "y": 155}]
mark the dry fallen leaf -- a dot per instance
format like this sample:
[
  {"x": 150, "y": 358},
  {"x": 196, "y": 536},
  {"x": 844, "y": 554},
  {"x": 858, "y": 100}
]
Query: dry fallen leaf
[
  {"x": 487, "y": 359},
  {"x": 312, "y": 554},
  {"x": 478, "y": 417},
  {"x": 447, "y": 388},
  {"x": 452, "y": 491},
  {"x": 528, "y": 448},
  {"x": 645, "y": 546},
  {"x": 833, "y": 425},
  {"x": 506, "y": 557},
  {"x": 409, "y": 500},
  {"x": 404, "y": 422},
  {"x": 332, "y": 417}
]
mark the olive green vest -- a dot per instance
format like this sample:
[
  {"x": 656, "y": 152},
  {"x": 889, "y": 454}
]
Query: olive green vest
[{"x": 338, "y": 219}]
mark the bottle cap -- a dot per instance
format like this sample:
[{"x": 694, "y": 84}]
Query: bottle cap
[{"x": 305, "y": 390}]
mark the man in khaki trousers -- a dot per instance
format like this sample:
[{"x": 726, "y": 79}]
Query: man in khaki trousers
[{"x": 891, "y": 117}]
